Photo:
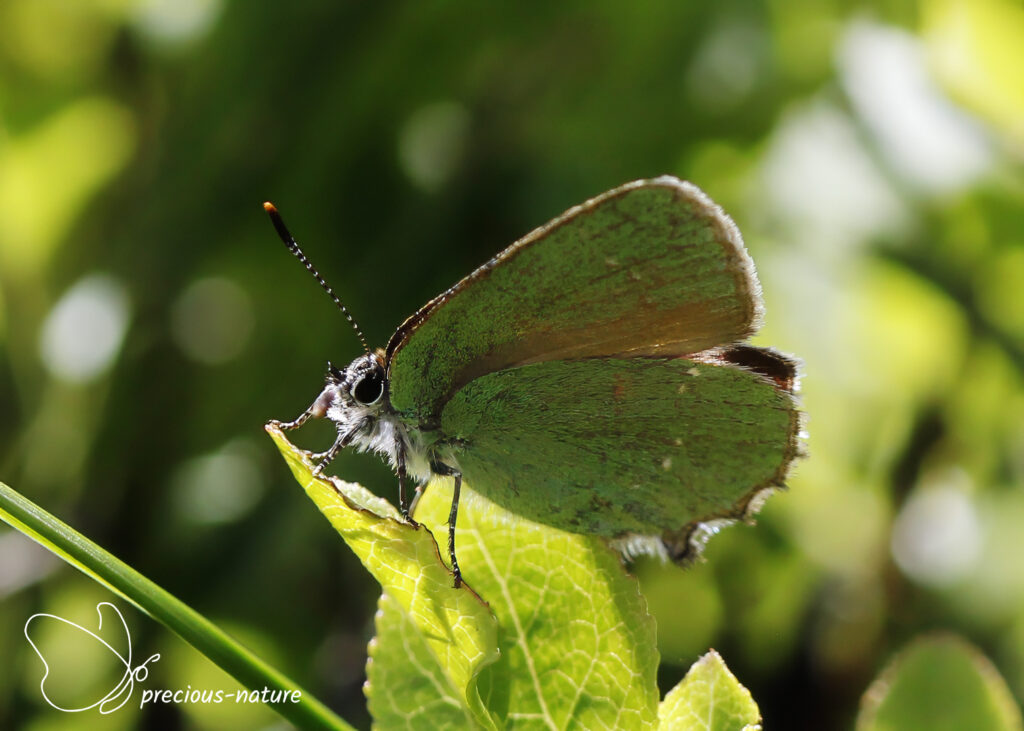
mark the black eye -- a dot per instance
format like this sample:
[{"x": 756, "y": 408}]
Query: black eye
[{"x": 369, "y": 388}]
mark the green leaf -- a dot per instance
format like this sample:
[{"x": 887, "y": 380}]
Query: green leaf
[
  {"x": 710, "y": 698},
  {"x": 577, "y": 646},
  {"x": 450, "y": 631},
  {"x": 201, "y": 633},
  {"x": 409, "y": 686},
  {"x": 939, "y": 682}
]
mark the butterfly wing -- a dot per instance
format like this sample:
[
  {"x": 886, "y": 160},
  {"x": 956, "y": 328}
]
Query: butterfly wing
[
  {"x": 651, "y": 267},
  {"x": 647, "y": 445}
]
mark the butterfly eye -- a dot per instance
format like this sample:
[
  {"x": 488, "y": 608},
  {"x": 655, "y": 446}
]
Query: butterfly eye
[{"x": 369, "y": 388}]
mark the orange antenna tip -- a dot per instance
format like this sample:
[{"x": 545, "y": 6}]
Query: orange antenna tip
[{"x": 293, "y": 246}]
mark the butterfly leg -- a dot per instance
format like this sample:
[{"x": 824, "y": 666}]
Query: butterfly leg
[
  {"x": 416, "y": 498},
  {"x": 316, "y": 410},
  {"x": 343, "y": 440},
  {"x": 294, "y": 423},
  {"x": 440, "y": 468},
  {"x": 403, "y": 479}
]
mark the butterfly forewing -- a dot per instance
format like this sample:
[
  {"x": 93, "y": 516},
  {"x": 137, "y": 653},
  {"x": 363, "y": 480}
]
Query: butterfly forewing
[
  {"x": 654, "y": 445},
  {"x": 652, "y": 267}
]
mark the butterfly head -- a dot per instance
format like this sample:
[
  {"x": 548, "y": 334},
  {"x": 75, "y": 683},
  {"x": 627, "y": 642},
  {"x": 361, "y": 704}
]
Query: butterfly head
[{"x": 354, "y": 392}]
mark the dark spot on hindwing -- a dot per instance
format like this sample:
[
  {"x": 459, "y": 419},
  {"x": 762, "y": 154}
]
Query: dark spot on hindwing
[{"x": 767, "y": 363}]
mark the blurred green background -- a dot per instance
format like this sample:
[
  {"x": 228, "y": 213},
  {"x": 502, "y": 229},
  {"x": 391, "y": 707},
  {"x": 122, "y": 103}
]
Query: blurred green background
[{"x": 151, "y": 322}]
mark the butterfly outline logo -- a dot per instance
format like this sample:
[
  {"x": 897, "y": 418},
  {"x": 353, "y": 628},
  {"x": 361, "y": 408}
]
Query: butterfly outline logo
[{"x": 124, "y": 686}]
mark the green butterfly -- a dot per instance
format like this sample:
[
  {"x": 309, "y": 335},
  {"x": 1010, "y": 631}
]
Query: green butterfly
[{"x": 591, "y": 377}]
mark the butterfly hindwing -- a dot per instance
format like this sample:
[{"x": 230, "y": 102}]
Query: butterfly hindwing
[
  {"x": 651, "y": 267},
  {"x": 609, "y": 446}
]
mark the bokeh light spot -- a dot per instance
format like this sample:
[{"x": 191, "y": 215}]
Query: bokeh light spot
[
  {"x": 431, "y": 143},
  {"x": 212, "y": 320},
  {"x": 22, "y": 562},
  {"x": 175, "y": 22},
  {"x": 819, "y": 180},
  {"x": 218, "y": 488},
  {"x": 84, "y": 331},
  {"x": 934, "y": 145},
  {"x": 936, "y": 538},
  {"x": 726, "y": 67}
]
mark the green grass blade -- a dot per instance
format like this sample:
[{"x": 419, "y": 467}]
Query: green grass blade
[{"x": 133, "y": 587}]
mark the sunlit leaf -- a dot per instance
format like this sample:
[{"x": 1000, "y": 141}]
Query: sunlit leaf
[
  {"x": 451, "y": 631},
  {"x": 709, "y": 698},
  {"x": 577, "y": 646}
]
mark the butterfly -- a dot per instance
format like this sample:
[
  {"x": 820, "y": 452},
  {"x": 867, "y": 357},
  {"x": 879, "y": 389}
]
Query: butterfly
[{"x": 592, "y": 376}]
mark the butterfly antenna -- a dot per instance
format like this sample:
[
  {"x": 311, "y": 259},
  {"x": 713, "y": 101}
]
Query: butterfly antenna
[{"x": 293, "y": 247}]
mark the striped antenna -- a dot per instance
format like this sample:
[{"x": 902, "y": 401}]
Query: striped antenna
[{"x": 293, "y": 247}]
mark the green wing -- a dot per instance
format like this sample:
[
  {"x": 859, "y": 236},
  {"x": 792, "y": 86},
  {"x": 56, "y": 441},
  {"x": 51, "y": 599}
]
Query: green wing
[
  {"x": 645, "y": 445},
  {"x": 651, "y": 267}
]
